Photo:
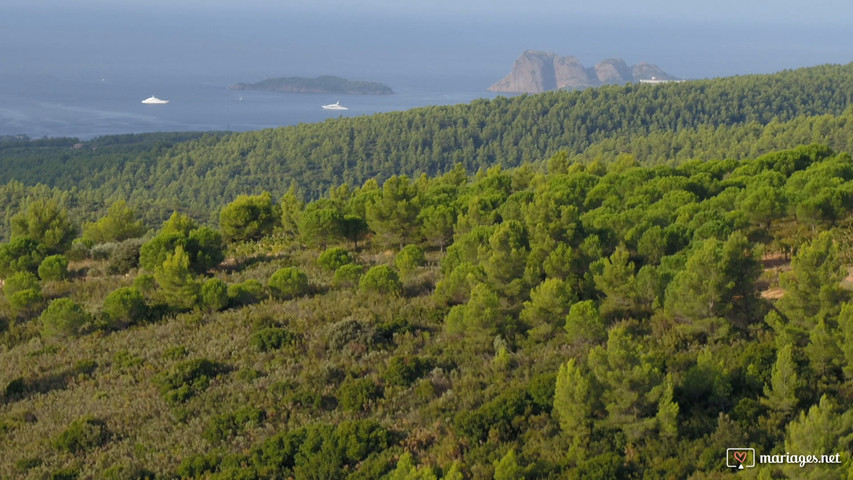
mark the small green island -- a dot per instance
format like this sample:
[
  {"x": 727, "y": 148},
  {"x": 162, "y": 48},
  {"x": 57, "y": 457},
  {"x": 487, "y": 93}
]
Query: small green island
[{"x": 322, "y": 84}]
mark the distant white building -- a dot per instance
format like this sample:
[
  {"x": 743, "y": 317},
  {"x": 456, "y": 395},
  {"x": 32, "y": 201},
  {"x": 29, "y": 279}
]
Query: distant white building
[{"x": 657, "y": 81}]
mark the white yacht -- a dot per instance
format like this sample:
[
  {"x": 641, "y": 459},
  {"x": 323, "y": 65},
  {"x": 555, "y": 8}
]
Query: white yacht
[
  {"x": 152, "y": 100},
  {"x": 335, "y": 106}
]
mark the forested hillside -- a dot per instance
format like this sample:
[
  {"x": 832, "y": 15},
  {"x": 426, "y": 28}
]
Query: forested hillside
[
  {"x": 582, "y": 321},
  {"x": 616, "y": 283},
  {"x": 738, "y": 117}
]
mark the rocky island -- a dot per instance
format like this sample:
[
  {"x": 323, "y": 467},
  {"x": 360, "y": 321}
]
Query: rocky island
[
  {"x": 322, "y": 84},
  {"x": 537, "y": 71}
]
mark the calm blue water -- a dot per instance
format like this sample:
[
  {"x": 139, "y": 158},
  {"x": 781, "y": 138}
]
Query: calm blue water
[{"x": 53, "y": 107}]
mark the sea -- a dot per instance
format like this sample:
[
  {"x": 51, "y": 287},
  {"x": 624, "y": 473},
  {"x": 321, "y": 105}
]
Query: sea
[{"x": 46, "y": 106}]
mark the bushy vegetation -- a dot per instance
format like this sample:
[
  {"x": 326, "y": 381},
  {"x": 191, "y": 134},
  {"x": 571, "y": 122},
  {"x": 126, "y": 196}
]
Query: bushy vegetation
[
  {"x": 125, "y": 306},
  {"x": 54, "y": 268},
  {"x": 63, "y": 317},
  {"x": 288, "y": 283},
  {"x": 561, "y": 319},
  {"x": 186, "y": 379},
  {"x": 82, "y": 435}
]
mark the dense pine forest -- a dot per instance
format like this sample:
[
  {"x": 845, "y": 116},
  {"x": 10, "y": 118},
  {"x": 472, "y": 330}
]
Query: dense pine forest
[
  {"x": 621, "y": 282},
  {"x": 738, "y": 117}
]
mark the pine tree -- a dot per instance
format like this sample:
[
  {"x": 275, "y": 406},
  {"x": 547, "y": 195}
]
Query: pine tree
[
  {"x": 249, "y": 217},
  {"x": 617, "y": 282},
  {"x": 507, "y": 468},
  {"x": 629, "y": 381},
  {"x": 291, "y": 209},
  {"x": 825, "y": 356},
  {"x": 822, "y": 431},
  {"x": 179, "y": 288},
  {"x": 549, "y": 303},
  {"x": 394, "y": 215},
  {"x": 454, "y": 473},
  {"x": 813, "y": 286},
  {"x": 584, "y": 325},
  {"x": 47, "y": 223},
  {"x": 845, "y": 326},
  {"x": 573, "y": 398},
  {"x": 63, "y": 318},
  {"x": 119, "y": 224},
  {"x": 782, "y": 393},
  {"x": 667, "y": 416},
  {"x": 321, "y": 223},
  {"x": 505, "y": 266},
  {"x": 213, "y": 295}
]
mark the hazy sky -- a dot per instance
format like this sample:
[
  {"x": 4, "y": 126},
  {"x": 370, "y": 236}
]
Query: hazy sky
[
  {"x": 760, "y": 11},
  {"x": 474, "y": 41}
]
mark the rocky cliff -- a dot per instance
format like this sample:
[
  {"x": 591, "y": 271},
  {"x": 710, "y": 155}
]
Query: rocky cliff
[{"x": 537, "y": 71}]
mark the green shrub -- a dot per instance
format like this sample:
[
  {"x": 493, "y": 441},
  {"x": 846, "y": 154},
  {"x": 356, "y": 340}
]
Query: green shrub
[
  {"x": 67, "y": 473},
  {"x": 15, "y": 388},
  {"x": 288, "y": 283},
  {"x": 85, "y": 367},
  {"x": 249, "y": 375},
  {"x": 187, "y": 379},
  {"x": 63, "y": 318},
  {"x": 304, "y": 399},
  {"x": 153, "y": 253},
  {"x": 124, "y": 360},
  {"x": 80, "y": 250},
  {"x": 347, "y": 275},
  {"x": 404, "y": 370},
  {"x": 497, "y": 414},
  {"x": 124, "y": 257},
  {"x": 203, "y": 245},
  {"x": 321, "y": 450},
  {"x": 82, "y": 435},
  {"x": 410, "y": 258},
  {"x": 349, "y": 331},
  {"x": 199, "y": 466},
  {"x": 214, "y": 295},
  {"x": 23, "y": 292},
  {"x": 380, "y": 279},
  {"x": 54, "y": 268},
  {"x": 248, "y": 217},
  {"x": 222, "y": 427},
  {"x": 26, "y": 464},
  {"x": 246, "y": 293},
  {"x": 127, "y": 469},
  {"x": 355, "y": 394},
  {"x": 103, "y": 251},
  {"x": 125, "y": 306},
  {"x": 206, "y": 248},
  {"x": 271, "y": 338},
  {"x": 176, "y": 353},
  {"x": 22, "y": 254},
  {"x": 607, "y": 466},
  {"x": 334, "y": 258},
  {"x": 541, "y": 391}
]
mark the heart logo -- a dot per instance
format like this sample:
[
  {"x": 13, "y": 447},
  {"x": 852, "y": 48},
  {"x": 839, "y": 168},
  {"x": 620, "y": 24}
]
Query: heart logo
[{"x": 740, "y": 456}]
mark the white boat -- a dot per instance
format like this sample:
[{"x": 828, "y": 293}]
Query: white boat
[
  {"x": 335, "y": 106},
  {"x": 152, "y": 100}
]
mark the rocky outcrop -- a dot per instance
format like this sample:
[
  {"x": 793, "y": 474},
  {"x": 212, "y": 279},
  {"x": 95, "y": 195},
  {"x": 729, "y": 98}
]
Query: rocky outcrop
[
  {"x": 537, "y": 71},
  {"x": 613, "y": 71}
]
